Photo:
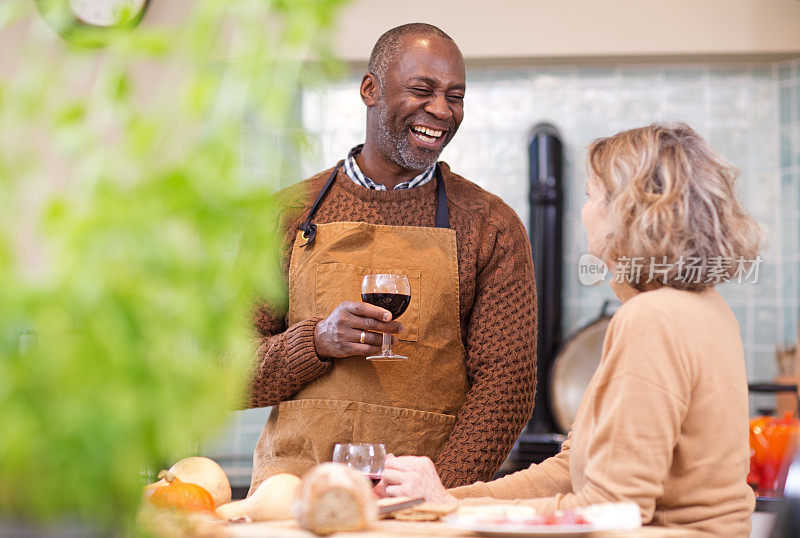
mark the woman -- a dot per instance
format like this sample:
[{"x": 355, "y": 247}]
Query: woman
[{"x": 664, "y": 420}]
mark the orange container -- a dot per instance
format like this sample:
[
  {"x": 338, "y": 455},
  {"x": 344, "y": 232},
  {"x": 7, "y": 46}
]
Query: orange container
[
  {"x": 758, "y": 448},
  {"x": 772, "y": 443}
]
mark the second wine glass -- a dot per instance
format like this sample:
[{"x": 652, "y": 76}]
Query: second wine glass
[
  {"x": 392, "y": 292},
  {"x": 366, "y": 458}
]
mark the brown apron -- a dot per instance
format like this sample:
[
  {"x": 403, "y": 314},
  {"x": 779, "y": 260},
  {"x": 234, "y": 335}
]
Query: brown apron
[{"x": 410, "y": 405}]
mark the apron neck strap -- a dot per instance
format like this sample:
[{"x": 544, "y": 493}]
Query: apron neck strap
[
  {"x": 309, "y": 229},
  {"x": 442, "y": 211}
]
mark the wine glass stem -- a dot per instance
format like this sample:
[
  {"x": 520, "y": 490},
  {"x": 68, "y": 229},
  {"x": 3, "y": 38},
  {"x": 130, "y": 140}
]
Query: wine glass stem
[{"x": 387, "y": 344}]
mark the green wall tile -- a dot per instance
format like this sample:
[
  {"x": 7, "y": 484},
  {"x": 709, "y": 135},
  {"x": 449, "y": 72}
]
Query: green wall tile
[
  {"x": 765, "y": 326},
  {"x": 787, "y": 93},
  {"x": 786, "y": 148},
  {"x": 790, "y": 320}
]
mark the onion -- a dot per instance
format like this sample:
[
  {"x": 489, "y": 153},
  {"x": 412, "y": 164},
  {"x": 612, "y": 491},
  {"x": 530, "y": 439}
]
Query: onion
[
  {"x": 233, "y": 511},
  {"x": 270, "y": 501}
]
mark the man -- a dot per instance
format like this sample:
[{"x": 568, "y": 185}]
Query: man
[{"x": 466, "y": 390}]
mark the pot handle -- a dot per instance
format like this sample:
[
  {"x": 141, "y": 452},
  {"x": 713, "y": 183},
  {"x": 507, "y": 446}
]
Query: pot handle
[
  {"x": 771, "y": 387},
  {"x": 604, "y": 310}
]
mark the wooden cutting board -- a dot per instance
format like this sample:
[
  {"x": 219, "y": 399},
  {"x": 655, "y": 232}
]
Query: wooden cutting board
[{"x": 389, "y": 528}]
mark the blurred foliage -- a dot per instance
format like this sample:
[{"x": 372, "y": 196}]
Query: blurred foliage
[{"x": 123, "y": 202}]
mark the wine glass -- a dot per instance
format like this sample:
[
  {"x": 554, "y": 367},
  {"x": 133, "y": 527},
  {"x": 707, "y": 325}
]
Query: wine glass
[
  {"x": 392, "y": 292},
  {"x": 366, "y": 458}
]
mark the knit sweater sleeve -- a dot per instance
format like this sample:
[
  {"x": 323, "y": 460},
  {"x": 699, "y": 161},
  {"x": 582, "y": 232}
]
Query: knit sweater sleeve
[
  {"x": 286, "y": 359},
  {"x": 501, "y": 356}
]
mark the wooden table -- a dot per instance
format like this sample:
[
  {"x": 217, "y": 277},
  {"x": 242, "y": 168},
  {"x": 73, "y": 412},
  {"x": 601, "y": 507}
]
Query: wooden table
[{"x": 389, "y": 528}]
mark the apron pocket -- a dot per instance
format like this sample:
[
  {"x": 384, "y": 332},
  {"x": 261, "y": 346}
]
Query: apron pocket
[
  {"x": 309, "y": 429},
  {"x": 337, "y": 282},
  {"x": 405, "y": 432}
]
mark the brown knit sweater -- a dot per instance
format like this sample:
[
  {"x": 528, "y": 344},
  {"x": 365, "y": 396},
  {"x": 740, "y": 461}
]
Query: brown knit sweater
[{"x": 497, "y": 311}]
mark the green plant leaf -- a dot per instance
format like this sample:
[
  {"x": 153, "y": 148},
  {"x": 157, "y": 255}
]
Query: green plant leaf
[{"x": 133, "y": 241}]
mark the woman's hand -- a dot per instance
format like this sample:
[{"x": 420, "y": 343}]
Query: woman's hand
[
  {"x": 411, "y": 476},
  {"x": 353, "y": 329}
]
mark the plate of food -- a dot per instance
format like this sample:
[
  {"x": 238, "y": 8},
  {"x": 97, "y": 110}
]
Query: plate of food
[{"x": 521, "y": 521}]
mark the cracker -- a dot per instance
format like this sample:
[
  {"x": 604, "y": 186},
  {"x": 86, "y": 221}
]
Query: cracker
[
  {"x": 429, "y": 511},
  {"x": 437, "y": 508},
  {"x": 409, "y": 514}
]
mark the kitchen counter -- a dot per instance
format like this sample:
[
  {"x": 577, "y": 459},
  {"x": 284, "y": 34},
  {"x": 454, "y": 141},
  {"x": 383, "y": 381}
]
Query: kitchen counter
[{"x": 389, "y": 528}]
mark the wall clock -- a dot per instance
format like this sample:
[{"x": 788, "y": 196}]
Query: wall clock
[
  {"x": 91, "y": 22},
  {"x": 108, "y": 13}
]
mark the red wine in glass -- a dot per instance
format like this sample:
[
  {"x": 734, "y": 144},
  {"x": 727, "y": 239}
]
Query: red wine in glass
[
  {"x": 374, "y": 477},
  {"x": 392, "y": 292},
  {"x": 396, "y": 303}
]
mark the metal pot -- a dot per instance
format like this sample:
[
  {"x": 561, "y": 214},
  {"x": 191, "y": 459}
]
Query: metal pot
[{"x": 573, "y": 367}]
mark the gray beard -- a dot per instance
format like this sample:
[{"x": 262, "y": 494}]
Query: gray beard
[{"x": 396, "y": 146}]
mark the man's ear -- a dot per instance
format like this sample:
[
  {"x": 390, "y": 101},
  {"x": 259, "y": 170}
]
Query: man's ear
[{"x": 370, "y": 89}]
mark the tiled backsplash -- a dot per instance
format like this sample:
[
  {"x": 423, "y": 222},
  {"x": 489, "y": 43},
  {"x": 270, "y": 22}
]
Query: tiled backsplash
[
  {"x": 789, "y": 121},
  {"x": 788, "y": 211},
  {"x": 750, "y": 113}
]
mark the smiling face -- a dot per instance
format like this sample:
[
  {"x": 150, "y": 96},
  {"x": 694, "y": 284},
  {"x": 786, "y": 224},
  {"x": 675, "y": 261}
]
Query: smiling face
[{"x": 420, "y": 105}]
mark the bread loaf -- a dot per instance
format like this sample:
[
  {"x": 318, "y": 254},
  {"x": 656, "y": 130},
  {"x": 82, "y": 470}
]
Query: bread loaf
[{"x": 334, "y": 498}]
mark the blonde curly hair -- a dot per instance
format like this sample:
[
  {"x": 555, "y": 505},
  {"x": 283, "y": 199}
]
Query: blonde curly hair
[{"x": 670, "y": 198}]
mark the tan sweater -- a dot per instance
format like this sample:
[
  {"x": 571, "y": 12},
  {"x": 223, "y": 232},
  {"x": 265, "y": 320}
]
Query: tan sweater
[{"x": 663, "y": 423}]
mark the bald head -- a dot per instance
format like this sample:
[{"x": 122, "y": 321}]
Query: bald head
[{"x": 389, "y": 45}]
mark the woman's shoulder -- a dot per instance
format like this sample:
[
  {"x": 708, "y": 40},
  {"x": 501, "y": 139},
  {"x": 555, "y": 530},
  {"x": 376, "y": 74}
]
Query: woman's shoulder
[
  {"x": 680, "y": 312},
  {"x": 671, "y": 300},
  {"x": 680, "y": 333}
]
